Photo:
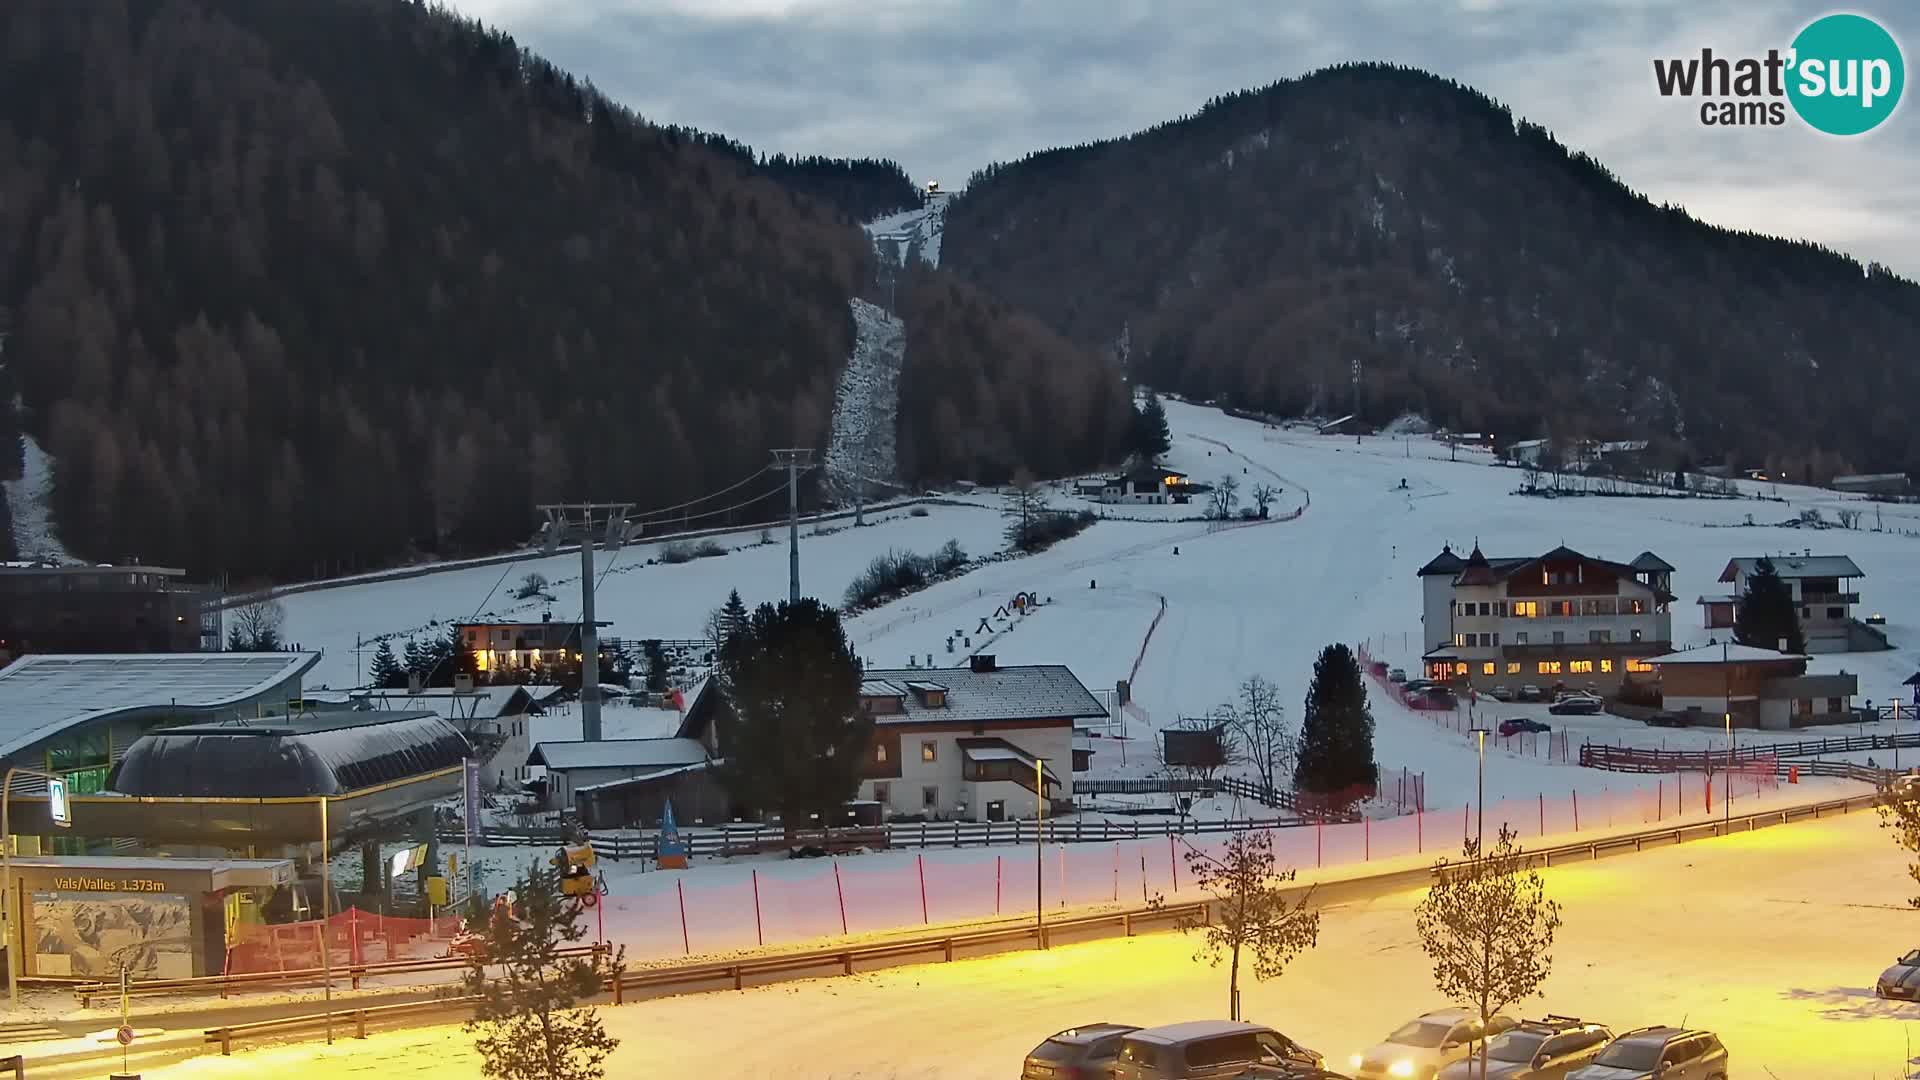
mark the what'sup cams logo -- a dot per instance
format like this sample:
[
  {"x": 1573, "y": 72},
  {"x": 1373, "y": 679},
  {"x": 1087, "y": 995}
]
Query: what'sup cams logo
[{"x": 1842, "y": 75}]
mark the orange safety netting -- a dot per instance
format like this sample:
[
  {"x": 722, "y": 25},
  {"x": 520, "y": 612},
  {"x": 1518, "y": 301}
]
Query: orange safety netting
[{"x": 352, "y": 937}]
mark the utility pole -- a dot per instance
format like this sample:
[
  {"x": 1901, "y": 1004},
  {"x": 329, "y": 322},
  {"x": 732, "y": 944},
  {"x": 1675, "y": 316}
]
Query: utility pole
[
  {"x": 795, "y": 460},
  {"x": 579, "y": 520}
]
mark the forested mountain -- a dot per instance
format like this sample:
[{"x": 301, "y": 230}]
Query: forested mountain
[
  {"x": 991, "y": 391},
  {"x": 860, "y": 188},
  {"x": 1474, "y": 269},
  {"x": 303, "y": 286}
]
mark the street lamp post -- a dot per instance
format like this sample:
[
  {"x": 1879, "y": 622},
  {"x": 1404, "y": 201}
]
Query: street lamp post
[
  {"x": 7, "y": 904},
  {"x": 1039, "y": 850},
  {"x": 1480, "y": 799}
]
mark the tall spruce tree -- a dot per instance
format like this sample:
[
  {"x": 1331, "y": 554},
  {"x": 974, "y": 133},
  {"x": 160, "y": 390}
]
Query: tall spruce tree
[
  {"x": 386, "y": 672},
  {"x": 1767, "y": 615},
  {"x": 793, "y": 738},
  {"x": 414, "y": 659},
  {"x": 733, "y": 615},
  {"x": 1151, "y": 435},
  {"x": 1336, "y": 735}
]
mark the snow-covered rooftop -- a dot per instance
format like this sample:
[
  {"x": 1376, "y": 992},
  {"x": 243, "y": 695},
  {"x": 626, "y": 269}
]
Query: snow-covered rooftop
[
  {"x": 618, "y": 754},
  {"x": 1036, "y": 692},
  {"x": 1723, "y": 654},
  {"x": 1796, "y": 566},
  {"x": 43, "y": 694}
]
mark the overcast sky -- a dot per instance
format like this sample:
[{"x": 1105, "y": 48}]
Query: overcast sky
[{"x": 947, "y": 86}]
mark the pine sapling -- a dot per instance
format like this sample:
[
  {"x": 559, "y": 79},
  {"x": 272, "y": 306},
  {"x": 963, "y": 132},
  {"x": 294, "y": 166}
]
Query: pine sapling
[{"x": 528, "y": 1016}]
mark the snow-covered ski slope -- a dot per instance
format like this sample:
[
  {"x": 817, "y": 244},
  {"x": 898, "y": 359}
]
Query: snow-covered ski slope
[
  {"x": 915, "y": 232},
  {"x": 1257, "y": 599},
  {"x": 860, "y": 449},
  {"x": 27, "y": 502}
]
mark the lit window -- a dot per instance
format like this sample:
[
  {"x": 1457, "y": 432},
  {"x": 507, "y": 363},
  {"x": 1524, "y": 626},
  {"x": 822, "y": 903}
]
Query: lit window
[
  {"x": 1549, "y": 667},
  {"x": 1580, "y": 667},
  {"x": 1487, "y": 668},
  {"x": 928, "y": 751},
  {"x": 1460, "y": 639},
  {"x": 1526, "y": 609},
  {"x": 1606, "y": 667},
  {"x": 1639, "y": 666},
  {"x": 1459, "y": 669},
  {"x": 1513, "y": 667},
  {"x": 880, "y": 752}
]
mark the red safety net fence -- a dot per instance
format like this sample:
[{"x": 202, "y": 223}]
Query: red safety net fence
[{"x": 351, "y": 937}]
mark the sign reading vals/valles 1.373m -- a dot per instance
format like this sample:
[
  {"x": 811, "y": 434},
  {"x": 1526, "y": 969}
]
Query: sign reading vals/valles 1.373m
[{"x": 95, "y": 884}]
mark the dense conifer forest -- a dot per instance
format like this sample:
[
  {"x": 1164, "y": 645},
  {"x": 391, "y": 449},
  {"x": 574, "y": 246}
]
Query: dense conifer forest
[{"x": 299, "y": 288}]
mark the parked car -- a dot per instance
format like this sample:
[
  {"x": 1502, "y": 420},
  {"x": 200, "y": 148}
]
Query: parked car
[
  {"x": 1397, "y": 675},
  {"x": 1523, "y": 725},
  {"x": 1415, "y": 686},
  {"x": 1501, "y": 693},
  {"x": 1530, "y": 692},
  {"x": 1669, "y": 1053},
  {"x": 1536, "y": 1050},
  {"x": 1210, "y": 1050},
  {"x": 1420, "y": 1048},
  {"x": 1078, "y": 1053},
  {"x": 1270, "y": 1072},
  {"x": 1562, "y": 694},
  {"x": 1667, "y": 719},
  {"x": 1576, "y": 705},
  {"x": 1902, "y": 980}
]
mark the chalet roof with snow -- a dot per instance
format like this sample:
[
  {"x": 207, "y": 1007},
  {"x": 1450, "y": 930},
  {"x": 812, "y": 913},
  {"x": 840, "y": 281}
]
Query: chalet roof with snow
[
  {"x": 1792, "y": 567},
  {"x": 1029, "y": 692},
  {"x": 618, "y": 754},
  {"x": 1478, "y": 569},
  {"x": 1729, "y": 653}
]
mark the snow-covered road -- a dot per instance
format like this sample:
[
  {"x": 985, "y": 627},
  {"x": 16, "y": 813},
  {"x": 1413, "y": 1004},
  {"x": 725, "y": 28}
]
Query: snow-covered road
[{"x": 1772, "y": 939}]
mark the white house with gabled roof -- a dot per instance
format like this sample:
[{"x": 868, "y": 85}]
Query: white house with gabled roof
[{"x": 974, "y": 743}]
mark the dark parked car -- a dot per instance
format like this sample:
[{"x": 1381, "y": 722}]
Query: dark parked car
[
  {"x": 1668, "y": 719},
  {"x": 1531, "y": 692},
  {"x": 1576, "y": 705},
  {"x": 1210, "y": 1050},
  {"x": 1536, "y": 1050},
  {"x": 1080, "y": 1053},
  {"x": 1501, "y": 693},
  {"x": 1521, "y": 725},
  {"x": 1665, "y": 1053}
]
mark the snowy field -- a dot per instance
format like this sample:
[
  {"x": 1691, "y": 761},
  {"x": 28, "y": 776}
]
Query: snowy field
[
  {"x": 1771, "y": 939},
  {"x": 1248, "y": 599}
]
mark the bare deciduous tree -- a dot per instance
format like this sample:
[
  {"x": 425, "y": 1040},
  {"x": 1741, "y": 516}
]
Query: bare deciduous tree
[
  {"x": 533, "y": 584},
  {"x": 257, "y": 625},
  {"x": 1488, "y": 927},
  {"x": 1899, "y": 810},
  {"x": 1258, "y": 719},
  {"x": 1226, "y": 494},
  {"x": 1849, "y": 519},
  {"x": 1251, "y": 912},
  {"x": 1263, "y": 497}
]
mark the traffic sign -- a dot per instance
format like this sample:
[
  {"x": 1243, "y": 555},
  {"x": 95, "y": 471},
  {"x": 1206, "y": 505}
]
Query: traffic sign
[{"x": 124, "y": 1036}]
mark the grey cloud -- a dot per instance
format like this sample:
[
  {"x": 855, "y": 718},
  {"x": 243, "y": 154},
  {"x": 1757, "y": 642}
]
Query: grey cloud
[{"x": 948, "y": 86}]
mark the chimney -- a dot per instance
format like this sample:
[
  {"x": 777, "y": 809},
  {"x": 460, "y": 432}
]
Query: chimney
[{"x": 983, "y": 662}]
